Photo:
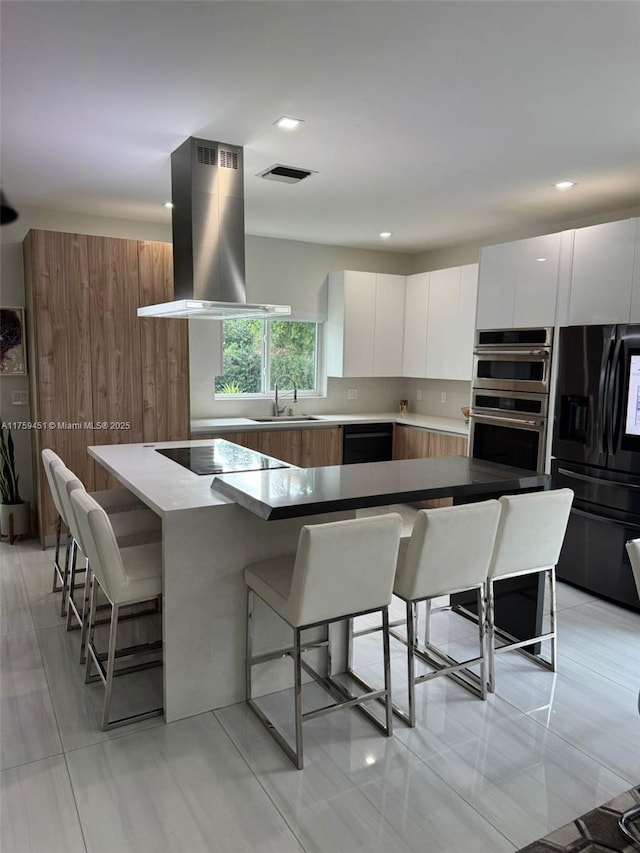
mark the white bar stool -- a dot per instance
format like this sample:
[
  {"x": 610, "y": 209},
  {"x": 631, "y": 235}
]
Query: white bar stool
[
  {"x": 628, "y": 822},
  {"x": 113, "y": 500},
  {"x": 49, "y": 461},
  {"x": 530, "y": 535},
  {"x": 449, "y": 551},
  {"x": 126, "y": 576},
  {"x": 134, "y": 527},
  {"x": 341, "y": 569}
]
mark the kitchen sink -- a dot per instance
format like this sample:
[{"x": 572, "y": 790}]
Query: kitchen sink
[{"x": 284, "y": 419}]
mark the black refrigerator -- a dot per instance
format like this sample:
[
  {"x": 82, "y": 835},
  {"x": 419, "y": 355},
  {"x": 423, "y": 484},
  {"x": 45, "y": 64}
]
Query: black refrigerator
[{"x": 596, "y": 452}]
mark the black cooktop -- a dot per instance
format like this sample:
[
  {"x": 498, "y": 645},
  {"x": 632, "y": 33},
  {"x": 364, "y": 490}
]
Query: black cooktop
[{"x": 219, "y": 457}]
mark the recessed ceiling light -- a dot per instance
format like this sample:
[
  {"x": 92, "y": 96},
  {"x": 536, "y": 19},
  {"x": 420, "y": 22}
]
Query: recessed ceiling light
[
  {"x": 385, "y": 234},
  {"x": 288, "y": 123},
  {"x": 564, "y": 185},
  {"x": 541, "y": 260},
  {"x": 168, "y": 204}
]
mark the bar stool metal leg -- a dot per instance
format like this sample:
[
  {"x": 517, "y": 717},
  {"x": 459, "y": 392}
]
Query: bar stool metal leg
[
  {"x": 65, "y": 575},
  {"x": 57, "y": 570},
  {"x": 297, "y": 657},
  {"x": 386, "y": 651},
  {"x": 411, "y": 677},
  {"x": 111, "y": 659}
]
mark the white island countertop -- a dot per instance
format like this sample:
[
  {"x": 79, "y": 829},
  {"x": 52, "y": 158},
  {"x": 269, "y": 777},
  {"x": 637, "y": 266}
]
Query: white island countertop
[
  {"x": 454, "y": 426},
  {"x": 162, "y": 484}
]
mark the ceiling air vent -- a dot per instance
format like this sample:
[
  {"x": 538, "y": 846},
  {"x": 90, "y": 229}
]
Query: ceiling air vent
[
  {"x": 286, "y": 174},
  {"x": 228, "y": 159},
  {"x": 206, "y": 155}
]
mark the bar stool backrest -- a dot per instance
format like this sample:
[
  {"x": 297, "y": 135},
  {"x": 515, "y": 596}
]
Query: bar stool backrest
[
  {"x": 67, "y": 482},
  {"x": 633, "y": 550},
  {"x": 531, "y": 531},
  {"x": 344, "y": 567},
  {"x": 450, "y": 549},
  {"x": 50, "y": 461},
  {"x": 96, "y": 533}
]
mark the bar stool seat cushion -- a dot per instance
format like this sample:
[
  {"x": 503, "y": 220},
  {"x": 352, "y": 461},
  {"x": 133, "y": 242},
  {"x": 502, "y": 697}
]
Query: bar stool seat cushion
[
  {"x": 136, "y": 527},
  {"x": 271, "y": 579},
  {"x": 142, "y": 566},
  {"x": 117, "y": 500}
]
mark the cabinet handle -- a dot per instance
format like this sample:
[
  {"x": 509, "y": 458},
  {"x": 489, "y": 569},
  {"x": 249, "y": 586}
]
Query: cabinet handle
[{"x": 598, "y": 480}]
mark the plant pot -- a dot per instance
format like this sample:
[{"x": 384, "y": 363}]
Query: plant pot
[{"x": 14, "y": 520}]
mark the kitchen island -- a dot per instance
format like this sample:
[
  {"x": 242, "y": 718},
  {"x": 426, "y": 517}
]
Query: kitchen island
[{"x": 208, "y": 538}]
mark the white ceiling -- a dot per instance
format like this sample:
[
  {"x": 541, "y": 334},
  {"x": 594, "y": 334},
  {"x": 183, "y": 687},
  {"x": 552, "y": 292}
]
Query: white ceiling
[{"x": 443, "y": 122}]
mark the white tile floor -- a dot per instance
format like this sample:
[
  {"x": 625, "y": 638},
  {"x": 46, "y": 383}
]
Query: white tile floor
[{"x": 472, "y": 777}]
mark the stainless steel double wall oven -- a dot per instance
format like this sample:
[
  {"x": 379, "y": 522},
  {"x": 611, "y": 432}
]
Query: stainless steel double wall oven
[{"x": 510, "y": 396}]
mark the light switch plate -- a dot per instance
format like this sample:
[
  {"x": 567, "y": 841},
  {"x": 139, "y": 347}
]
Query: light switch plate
[
  {"x": 19, "y": 398},
  {"x": 443, "y": 397}
]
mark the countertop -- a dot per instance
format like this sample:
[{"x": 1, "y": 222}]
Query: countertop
[
  {"x": 162, "y": 484},
  {"x": 455, "y": 426},
  {"x": 294, "y": 492}
]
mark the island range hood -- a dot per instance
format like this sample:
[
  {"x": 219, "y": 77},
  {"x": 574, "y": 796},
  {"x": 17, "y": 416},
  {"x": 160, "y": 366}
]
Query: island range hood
[{"x": 207, "y": 191}]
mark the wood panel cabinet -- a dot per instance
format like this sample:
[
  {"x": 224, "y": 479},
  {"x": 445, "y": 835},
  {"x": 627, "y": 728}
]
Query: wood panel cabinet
[
  {"x": 308, "y": 448},
  {"x": 417, "y": 443},
  {"x": 321, "y": 447},
  {"x": 365, "y": 319},
  {"x": 93, "y": 362}
]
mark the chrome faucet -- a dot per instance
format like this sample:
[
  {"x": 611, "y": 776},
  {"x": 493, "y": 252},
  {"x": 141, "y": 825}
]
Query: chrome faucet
[{"x": 277, "y": 411}]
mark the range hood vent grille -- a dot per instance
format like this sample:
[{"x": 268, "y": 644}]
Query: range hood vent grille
[
  {"x": 206, "y": 156},
  {"x": 228, "y": 159}
]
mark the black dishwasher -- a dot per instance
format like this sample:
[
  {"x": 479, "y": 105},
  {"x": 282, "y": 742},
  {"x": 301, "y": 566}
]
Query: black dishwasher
[{"x": 367, "y": 443}]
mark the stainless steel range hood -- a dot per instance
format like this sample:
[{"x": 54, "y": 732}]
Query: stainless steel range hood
[{"x": 207, "y": 191}]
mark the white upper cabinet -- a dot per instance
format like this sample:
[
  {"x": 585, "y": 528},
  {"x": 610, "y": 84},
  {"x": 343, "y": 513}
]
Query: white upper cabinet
[
  {"x": 602, "y": 278},
  {"x": 416, "y": 313},
  {"x": 452, "y": 310},
  {"x": 518, "y": 283},
  {"x": 365, "y": 317},
  {"x": 440, "y": 312},
  {"x": 462, "y": 359},
  {"x": 496, "y": 286},
  {"x": 389, "y": 325}
]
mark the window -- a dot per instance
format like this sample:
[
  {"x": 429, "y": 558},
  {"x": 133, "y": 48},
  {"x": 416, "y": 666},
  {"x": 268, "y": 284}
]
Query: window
[{"x": 256, "y": 353}]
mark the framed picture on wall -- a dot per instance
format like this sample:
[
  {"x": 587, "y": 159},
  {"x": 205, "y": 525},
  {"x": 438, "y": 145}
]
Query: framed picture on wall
[{"x": 13, "y": 360}]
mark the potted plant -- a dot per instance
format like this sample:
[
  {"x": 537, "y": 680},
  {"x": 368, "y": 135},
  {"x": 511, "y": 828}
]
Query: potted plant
[{"x": 14, "y": 512}]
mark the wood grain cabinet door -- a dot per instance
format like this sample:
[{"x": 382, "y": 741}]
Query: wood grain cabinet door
[
  {"x": 164, "y": 349},
  {"x": 283, "y": 444},
  {"x": 93, "y": 361},
  {"x": 321, "y": 447}
]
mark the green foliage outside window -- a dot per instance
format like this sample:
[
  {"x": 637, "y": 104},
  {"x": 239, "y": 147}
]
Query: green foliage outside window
[
  {"x": 290, "y": 351},
  {"x": 293, "y": 353}
]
